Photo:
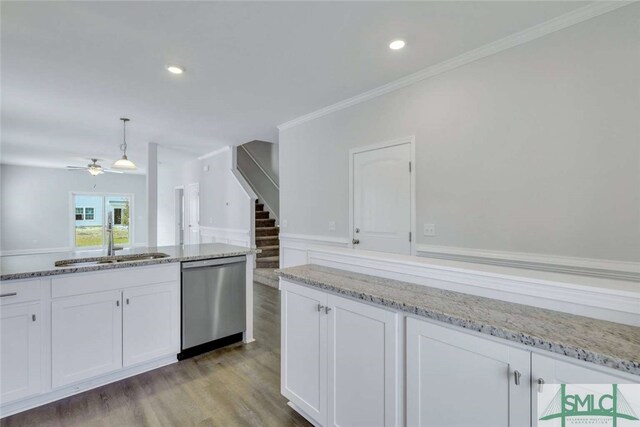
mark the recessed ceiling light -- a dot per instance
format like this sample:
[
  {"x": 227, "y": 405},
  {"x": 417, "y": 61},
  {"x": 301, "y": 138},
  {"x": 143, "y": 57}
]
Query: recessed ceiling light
[
  {"x": 175, "y": 69},
  {"x": 396, "y": 44}
]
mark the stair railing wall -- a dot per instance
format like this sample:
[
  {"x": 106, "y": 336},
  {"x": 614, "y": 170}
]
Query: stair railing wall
[{"x": 260, "y": 181}]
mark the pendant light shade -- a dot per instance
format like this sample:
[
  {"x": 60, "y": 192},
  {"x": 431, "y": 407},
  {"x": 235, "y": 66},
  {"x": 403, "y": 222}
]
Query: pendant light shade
[{"x": 124, "y": 162}]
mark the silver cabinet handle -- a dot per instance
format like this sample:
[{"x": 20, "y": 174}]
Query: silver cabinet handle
[
  {"x": 33, "y": 317},
  {"x": 127, "y": 301},
  {"x": 118, "y": 303},
  {"x": 540, "y": 385},
  {"x": 355, "y": 241},
  {"x": 320, "y": 307},
  {"x": 327, "y": 310},
  {"x": 516, "y": 377},
  {"x": 8, "y": 294}
]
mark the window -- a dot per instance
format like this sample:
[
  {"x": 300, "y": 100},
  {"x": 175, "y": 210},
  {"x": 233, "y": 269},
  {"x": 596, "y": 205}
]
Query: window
[{"x": 91, "y": 213}]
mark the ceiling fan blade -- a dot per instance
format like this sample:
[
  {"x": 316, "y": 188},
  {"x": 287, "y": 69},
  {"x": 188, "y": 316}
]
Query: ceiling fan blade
[
  {"x": 111, "y": 171},
  {"x": 76, "y": 168}
]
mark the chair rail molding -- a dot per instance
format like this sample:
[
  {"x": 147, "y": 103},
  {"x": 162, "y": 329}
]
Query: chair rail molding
[
  {"x": 609, "y": 269},
  {"x": 231, "y": 236},
  {"x": 601, "y": 298},
  {"x": 559, "y": 23}
]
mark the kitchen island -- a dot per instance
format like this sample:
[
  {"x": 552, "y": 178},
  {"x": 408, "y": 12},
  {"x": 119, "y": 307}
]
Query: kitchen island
[{"x": 94, "y": 320}]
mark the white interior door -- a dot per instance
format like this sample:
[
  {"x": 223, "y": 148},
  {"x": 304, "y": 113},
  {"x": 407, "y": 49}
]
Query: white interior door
[
  {"x": 192, "y": 236},
  {"x": 382, "y": 199}
]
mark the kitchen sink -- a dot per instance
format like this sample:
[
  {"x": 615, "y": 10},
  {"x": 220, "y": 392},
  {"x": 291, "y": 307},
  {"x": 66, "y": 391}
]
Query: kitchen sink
[{"x": 80, "y": 262}]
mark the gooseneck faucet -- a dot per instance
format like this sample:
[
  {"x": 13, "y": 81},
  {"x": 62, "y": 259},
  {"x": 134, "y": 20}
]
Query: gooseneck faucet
[{"x": 110, "y": 248}]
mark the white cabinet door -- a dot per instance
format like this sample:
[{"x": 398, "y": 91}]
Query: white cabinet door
[
  {"x": 86, "y": 336},
  {"x": 456, "y": 378},
  {"x": 151, "y": 322},
  {"x": 548, "y": 370},
  {"x": 20, "y": 352},
  {"x": 362, "y": 364},
  {"x": 304, "y": 349}
]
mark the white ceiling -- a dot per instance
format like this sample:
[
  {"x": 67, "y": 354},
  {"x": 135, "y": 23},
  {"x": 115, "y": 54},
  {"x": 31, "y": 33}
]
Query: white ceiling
[{"x": 70, "y": 70}]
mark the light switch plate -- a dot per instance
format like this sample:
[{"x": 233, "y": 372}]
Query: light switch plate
[
  {"x": 332, "y": 226},
  {"x": 429, "y": 229}
]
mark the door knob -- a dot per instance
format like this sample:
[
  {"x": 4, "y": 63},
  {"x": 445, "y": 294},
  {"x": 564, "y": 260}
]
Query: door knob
[{"x": 355, "y": 241}]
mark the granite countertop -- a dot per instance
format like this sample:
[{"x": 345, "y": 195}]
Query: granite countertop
[
  {"x": 610, "y": 344},
  {"x": 26, "y": 266}
]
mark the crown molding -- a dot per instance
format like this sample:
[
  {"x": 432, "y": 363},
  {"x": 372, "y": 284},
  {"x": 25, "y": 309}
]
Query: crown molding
[{"x": 561, "y": 22}]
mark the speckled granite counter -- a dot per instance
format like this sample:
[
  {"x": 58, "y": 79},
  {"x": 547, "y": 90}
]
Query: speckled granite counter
[
  {"x": 604, "y": 343},
  {"x": 26, "y": 266}
]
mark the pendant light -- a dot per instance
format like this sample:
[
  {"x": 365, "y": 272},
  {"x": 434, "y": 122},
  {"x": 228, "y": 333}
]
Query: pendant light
[{"x": 124, "y": 162}]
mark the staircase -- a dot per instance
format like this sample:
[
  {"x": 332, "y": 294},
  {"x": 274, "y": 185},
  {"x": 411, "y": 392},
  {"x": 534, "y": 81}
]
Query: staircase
[{"x": 266, "y": 239}]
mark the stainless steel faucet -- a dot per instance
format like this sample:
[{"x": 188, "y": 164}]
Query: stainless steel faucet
[{"x": 110, "y": 248}]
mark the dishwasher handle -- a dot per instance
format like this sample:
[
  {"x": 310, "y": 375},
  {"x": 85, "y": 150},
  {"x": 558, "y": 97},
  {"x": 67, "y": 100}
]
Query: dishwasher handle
[{"x": 213, "y": 262}]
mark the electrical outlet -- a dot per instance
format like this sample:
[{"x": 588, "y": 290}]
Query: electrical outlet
[
  {"x": 332, "y": 226},
  {"x": 429, "y": 229}
]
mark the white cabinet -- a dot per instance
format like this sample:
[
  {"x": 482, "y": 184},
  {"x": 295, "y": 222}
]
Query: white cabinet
[
  {"x": 151, "y": 322},
  {"x": 86, "y": 336},
  {"x": 20, "y": 351},
  {"x": 455, "y": 378},
  {"x": 304, "y": 349},
  {"x": 363, "y": 372},
  {"x": 547, "y": 370},
  {"x": 339, "y": 358}
]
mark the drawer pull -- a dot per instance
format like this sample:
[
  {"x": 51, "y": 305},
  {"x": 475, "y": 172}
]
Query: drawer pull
[
  {"x": 540, "y": 385},
  {"x": 33, "y": 317},
  {"x": 327, "y": 310},
  {"x": 8, "y": 294},
  {"x": 320, "y": 307},
  {"x": 516, "y": 377}
]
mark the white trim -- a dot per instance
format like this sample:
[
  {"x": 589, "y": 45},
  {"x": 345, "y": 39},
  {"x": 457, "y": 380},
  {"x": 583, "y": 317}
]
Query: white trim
[
  {"x": 231, "y": 236},
  {"x": 613, "y": 300},
  {"x": 561, "y": 264},
  {"x": 215, "y": 152},
  {"x": 411, "y": 140},
  {"x": 259, "y": 196},
  {"x": 561, "y": 22}
]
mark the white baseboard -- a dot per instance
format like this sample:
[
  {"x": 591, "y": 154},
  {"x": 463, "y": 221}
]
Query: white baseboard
[
  {"x": 602, "y": 298},
  {"x": 231, "y": 236},
  {"x": 61, "y": 393},
  {"x": 559, "y": 264}
]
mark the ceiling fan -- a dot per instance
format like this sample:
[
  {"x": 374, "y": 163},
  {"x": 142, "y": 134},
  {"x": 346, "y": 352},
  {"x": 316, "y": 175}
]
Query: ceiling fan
[{"x": 93, "y": 168}]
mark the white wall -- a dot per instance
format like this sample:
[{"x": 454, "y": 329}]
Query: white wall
[
  {"x": 223, "y": 202},
  {"x": 35, "y": 207},
  {"x": 225, "y": 209},
  {"x": 535, "y": 149}
]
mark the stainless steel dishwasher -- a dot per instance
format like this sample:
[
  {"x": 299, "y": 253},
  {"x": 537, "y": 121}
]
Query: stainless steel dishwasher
[{"x": 213, "y": 304}]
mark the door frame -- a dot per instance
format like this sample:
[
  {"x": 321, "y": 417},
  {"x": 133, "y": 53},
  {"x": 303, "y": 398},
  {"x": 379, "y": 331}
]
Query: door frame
[
  {"x": 187, "y": 213},
  {"x": 411, "y": 140},
  {"x": 179, "y": 214}
]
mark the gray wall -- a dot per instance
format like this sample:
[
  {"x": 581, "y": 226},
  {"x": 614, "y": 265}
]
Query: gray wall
[
  {"x": 535, "y": 149},
  {"x": 259, "y": 166},
  {"x": 35, "y": 207}
]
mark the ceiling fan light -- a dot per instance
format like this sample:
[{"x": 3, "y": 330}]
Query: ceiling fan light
[
  {"x": 124, "y": 163},
  {"x": 95, "y": 171}
]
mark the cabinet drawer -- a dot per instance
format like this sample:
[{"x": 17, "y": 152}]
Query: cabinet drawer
[
  {"x": 15, "y": 291},
  {"x": 105, "y": 280}
]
